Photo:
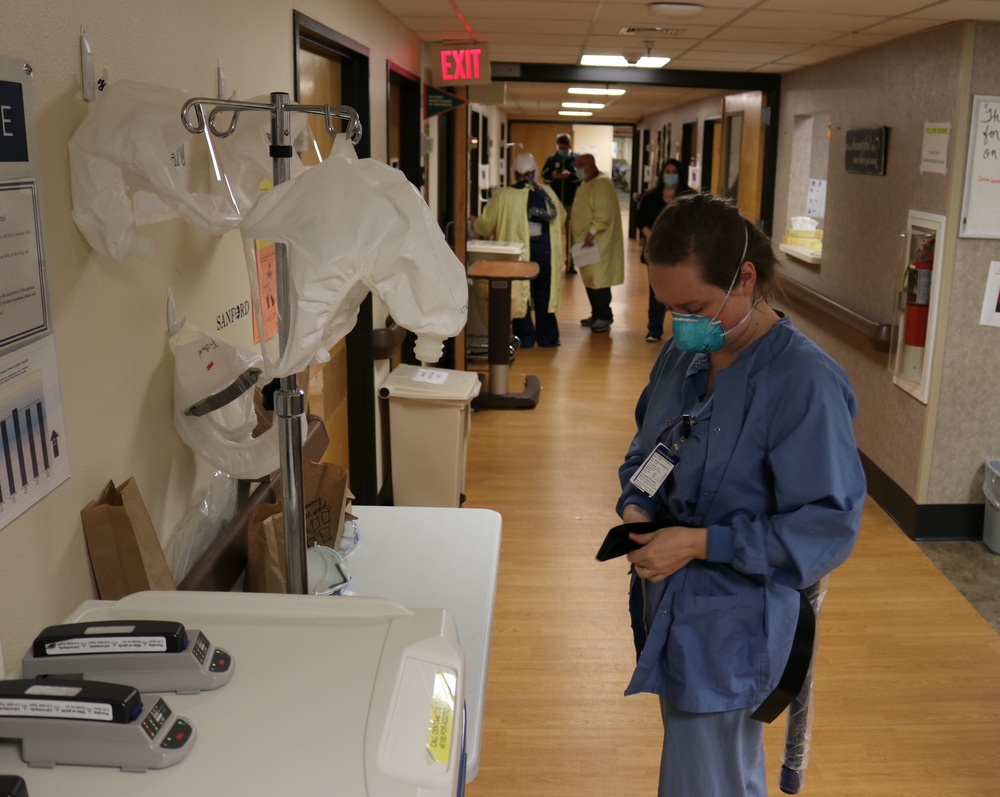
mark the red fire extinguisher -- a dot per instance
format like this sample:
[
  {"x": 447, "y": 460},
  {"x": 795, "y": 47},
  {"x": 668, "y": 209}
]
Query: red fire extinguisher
[{"x": 918, "y": 295}]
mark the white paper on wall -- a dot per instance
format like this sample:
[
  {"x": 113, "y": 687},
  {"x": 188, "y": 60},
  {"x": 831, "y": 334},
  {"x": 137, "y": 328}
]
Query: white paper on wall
[
  {"x": 991, "y": 300},
  {"x": 816, "y": 199},
  {"x": 934, "y": 157}
]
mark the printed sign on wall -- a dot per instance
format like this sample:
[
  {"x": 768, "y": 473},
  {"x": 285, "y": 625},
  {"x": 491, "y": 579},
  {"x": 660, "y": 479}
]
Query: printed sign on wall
[{"x": 866, "y": 149}]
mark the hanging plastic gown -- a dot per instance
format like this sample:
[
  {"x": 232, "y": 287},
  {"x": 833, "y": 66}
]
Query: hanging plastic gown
[{"x": 352, "y": 226}]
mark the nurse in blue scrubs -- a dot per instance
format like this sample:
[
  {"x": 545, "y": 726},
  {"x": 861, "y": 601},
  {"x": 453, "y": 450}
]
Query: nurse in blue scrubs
[{"x": 745, "y": 453}]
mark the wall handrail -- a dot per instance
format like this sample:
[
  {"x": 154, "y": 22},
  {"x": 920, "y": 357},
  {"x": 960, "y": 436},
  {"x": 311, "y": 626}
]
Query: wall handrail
[{"x": 879, "y": 335}]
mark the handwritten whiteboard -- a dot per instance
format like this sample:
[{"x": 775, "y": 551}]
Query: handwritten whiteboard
[{"x": 981, "y": 201}]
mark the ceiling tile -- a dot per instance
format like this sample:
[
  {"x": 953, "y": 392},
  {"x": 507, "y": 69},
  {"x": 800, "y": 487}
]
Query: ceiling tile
[
  {"x": 986, "y": 10},
  {"x": 570, "y": 10},
  {"x": 803, "y": 37},
  {"x": 418, "y": 8},
  {"x": 804, "y": 20},
  {"x": 861, "y": 40},
  {"x": 759, "y": 36},
  {"x": 764, "y": 48},
  {"x": 903, "y": 26},
  {"x": 610, "y": 27},
  {"x": 718, "y": 65},
  {"x": 881, "y": 8},
  {"x": 639, "y": 14}
]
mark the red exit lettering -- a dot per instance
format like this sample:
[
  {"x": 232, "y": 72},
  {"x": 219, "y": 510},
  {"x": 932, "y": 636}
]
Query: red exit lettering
[{"x": 460, "y": 64}]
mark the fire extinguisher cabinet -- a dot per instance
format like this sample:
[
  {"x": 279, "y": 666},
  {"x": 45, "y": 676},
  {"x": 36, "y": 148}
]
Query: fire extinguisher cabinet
[{"x": 912, "y": 348}]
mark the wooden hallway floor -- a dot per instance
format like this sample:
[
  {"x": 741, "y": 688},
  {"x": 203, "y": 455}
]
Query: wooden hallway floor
[{"x": 907, "y": 700}]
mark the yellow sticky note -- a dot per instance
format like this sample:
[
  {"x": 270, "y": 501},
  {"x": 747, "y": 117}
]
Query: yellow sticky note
[{"x": 442, "y": 719}]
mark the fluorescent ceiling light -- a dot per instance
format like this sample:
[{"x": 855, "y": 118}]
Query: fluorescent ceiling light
[
  {"x": 645, "y": 62},
  {"x": 603, "y": 60},
  {"x": 595, "y": 105},
  {"x": 597, "y": 92},
  {"x": 576, "y": 113},
  {"x": 676, "y": 9},
  {"x": 651, "y": 62}
]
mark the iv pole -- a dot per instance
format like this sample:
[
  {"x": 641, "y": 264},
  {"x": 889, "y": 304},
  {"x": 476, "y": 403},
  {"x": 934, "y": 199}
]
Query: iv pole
[{"x": 289, "y": 399}]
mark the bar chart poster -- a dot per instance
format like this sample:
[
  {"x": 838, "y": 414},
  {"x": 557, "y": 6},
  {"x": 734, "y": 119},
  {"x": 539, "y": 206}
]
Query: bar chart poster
[{"x": 33, "y": 456}]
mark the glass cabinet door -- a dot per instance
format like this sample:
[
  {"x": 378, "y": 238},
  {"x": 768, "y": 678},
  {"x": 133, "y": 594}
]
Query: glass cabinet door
[{"x": 917, "y": 305}]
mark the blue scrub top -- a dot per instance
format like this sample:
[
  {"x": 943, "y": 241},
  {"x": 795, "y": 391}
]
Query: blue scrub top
[{"x": 771, "y": 469}]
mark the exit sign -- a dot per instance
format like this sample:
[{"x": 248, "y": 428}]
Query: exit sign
[{"x": 460, "y": 64}]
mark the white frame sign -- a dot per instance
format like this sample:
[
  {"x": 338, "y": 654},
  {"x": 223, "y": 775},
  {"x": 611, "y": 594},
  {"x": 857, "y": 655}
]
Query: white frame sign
[
  {"x": 24, "y": 294},
  {"x": 981, "y": 197}
]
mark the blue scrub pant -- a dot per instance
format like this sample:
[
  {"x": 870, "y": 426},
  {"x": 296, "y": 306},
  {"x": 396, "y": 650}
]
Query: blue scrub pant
[
  {"x": 720, "y": 754},
  {"x": 711, "y": 755},
  {"x": 545, "y": 328}
]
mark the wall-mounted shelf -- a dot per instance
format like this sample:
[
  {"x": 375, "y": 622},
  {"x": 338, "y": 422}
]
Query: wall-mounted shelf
[{"x": 802, "y": 253}]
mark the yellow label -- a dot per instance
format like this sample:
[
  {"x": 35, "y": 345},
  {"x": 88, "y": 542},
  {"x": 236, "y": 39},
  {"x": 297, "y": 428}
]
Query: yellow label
[{"x": 442, "y": 719}]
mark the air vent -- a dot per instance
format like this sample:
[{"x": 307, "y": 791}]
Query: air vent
[{"x": 650, "y": 30}]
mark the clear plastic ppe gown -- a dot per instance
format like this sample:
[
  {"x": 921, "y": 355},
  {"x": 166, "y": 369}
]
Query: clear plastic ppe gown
[
  {"x": 352, "y": 226},
  {"x": 133, "y": 141}
]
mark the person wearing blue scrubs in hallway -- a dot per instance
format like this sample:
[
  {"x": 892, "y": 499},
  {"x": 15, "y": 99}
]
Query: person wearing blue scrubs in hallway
[
  {"x": 530, "y": 213},
  {"x": 744, "y": 456}
]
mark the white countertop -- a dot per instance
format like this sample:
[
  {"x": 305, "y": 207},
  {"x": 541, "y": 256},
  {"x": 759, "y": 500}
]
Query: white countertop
[
  {"x": 427, "y": 557},
  {"x": 270, "y": 726}
]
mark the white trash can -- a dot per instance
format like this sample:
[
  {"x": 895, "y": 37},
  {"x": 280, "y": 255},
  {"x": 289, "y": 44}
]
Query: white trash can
[
  {"x": 991, "y": 520},
  {"x": 430, "y": 416}
]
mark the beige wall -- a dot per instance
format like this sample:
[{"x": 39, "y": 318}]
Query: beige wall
[
  {"x": 115, "y": 369},
  {"x": 535, "y": 137},
  {"x": 966, "y": 431},
  {"x": 678, "y": 117},
  {"x": 935, "y": 452},
  {"x": 598, "y": 141}
]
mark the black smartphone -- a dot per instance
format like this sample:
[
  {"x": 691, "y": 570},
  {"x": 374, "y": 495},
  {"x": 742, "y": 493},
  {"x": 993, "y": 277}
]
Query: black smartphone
[{"x": 617, "y": 542}]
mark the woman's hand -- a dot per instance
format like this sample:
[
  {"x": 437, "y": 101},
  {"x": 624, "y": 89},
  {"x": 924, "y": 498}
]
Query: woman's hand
[{"x": 666, "y": 551}]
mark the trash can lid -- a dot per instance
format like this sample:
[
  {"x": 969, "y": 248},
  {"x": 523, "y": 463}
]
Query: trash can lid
[{"x": 432, "y": 384}]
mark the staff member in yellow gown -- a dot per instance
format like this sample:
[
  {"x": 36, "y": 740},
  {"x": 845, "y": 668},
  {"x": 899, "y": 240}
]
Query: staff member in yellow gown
[
  {"x": 530, "y": 213},
  {"x": 597, "y": 221}
]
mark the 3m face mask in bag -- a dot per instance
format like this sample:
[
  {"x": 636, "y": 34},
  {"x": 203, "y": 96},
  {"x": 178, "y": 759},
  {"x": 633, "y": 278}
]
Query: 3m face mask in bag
[
  {"x": 214, "y": 402},
  {"x": 352, "y": 226},
  {"x": 133, "y": 142}
]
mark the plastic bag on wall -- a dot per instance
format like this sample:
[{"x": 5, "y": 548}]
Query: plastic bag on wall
[
  {"x": 353, "y": 226},
  {"x": 132, "y": 155}
]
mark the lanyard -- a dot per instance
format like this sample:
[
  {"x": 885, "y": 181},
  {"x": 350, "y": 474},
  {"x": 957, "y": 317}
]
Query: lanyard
[{"x": 687, "y": 424}]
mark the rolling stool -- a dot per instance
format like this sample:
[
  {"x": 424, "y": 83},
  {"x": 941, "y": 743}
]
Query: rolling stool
[{"x": 500, "y": 273}]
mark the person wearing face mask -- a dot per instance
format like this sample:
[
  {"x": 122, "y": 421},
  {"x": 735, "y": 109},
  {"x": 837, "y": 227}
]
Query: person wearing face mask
[
  {"x": 597, "y": 221},
  {"x": 668, "y": 187},
  {"x": 559, "y": 172},
  {"x": 745, "y": 461}
]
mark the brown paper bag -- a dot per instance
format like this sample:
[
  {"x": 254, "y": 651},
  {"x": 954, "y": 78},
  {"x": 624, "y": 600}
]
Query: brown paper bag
[
  {"x": 324, "y": 501},
  {"x": 266, "y": 551},
  {"x": 125, "y": 552}
]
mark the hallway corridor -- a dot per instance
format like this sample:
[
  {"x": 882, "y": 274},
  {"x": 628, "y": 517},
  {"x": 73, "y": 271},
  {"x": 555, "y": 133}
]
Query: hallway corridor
[{"x": 907, "y": 689}]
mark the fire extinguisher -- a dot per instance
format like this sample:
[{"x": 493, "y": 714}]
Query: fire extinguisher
[{"x": 918, "y": 299}]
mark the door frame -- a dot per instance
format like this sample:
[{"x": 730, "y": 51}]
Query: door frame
[
  {"x": 410, "y": 122},
  {"x": 312, "y": 35}
]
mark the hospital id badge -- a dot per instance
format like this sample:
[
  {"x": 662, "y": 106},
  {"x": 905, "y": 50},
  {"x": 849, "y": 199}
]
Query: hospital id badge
[
  {"x": 534, "y": 229},
  {"x": 654, "y": 471}
]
